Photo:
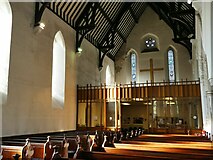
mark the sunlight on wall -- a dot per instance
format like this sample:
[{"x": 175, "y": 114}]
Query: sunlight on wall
[
  {"x": 58, "y": 71},
  {"x": 5, "y": 39}
]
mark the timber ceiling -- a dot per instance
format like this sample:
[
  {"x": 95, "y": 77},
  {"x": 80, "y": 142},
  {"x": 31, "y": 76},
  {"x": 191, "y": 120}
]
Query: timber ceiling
[{"x": 107, "y": 25}]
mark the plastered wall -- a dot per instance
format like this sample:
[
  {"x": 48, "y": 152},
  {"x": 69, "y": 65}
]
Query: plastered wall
[
  {"x": 87, "y": 66},
  {"x": 28, "y": 108}
]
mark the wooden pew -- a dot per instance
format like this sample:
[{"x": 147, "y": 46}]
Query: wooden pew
[
  {"x": 39, "y": 144},
  {"x": 37, "y": 148},
  {"x": 9, "y": 151},
  {"x": 24, "y": 149}
]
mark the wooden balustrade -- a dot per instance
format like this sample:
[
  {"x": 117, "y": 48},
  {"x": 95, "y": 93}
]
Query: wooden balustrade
[{"x": 138, "y": 91}]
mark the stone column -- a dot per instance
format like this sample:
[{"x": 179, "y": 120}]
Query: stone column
[
  {"x": 201, "y": 67},
  {"x": 211, "y": 76},
  {"x": 194, "y": 59}
]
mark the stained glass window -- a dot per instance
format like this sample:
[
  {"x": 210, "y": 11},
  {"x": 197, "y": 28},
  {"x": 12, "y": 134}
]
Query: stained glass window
[
  {"x": 171, "y": 65},
  {"x": 133, "y": 66},
  {"x": 150, "y": 43}
]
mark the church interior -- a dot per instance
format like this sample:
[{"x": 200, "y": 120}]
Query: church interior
[{"x": 106, "y": 80}]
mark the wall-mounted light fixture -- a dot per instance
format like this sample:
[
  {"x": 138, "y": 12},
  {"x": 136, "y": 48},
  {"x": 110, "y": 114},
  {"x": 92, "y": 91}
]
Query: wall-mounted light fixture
[
  {"x": 39, "y": 27},
  {"x": 79, "y": 50},
  {"x": 189, "y": 1},
  {"x": 39, "y": 10}
]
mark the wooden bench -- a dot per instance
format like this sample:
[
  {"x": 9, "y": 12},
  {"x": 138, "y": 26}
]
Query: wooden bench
[
  {"x": 197, "y": 132},
  {"x": 18, "y": 146},
  {"x": 9, "y": 151},
  {"x": 86, "y": 143}
]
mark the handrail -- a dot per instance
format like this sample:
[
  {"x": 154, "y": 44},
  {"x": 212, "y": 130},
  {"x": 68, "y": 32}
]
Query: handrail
[{"x": 132, "y": 84}]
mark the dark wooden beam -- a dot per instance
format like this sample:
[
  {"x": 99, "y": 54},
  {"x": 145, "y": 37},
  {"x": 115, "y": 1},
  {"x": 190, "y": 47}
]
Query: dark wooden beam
[
  {"x": 124, "y": 8},
  {"x": 39, "y": 10},
  {"x": 88, "y": 19},
  {"x": 110, "y": 22},
  {"x": 101, "y": 58},
  {"x": 107, "y": 42},
  {"x": 85, "y": 15},
  {"x": 116, "y": 21},
  {"x": 133, "y": 15},
  {"x": 181, "y": 39},
  {"x": 181, "y": 12},
  {"x": 183, "y": 23}
]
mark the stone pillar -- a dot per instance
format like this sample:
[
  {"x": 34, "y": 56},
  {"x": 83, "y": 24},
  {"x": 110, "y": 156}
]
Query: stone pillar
[
  {"x": 204, "y": 37},
  {"x": 211, "y": 53},
  {"x": 201, "y": 67},
  {"x": 194, "y": 59},
  {"x": 211, "y": 75}
]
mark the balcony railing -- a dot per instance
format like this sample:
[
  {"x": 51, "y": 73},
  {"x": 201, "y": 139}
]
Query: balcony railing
[{"x": 138, "y": 91}]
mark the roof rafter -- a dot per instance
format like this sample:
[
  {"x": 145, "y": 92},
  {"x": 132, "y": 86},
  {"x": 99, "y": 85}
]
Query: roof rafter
[
  {"x": 85, "y": 23},
  {"x": 133, "y": 15},
  {"x": 39, "y": 10},
  {"x": 182, "y": 30},
  {"x": 110, "y": 21},
  {"x": 114, "y": 21}
]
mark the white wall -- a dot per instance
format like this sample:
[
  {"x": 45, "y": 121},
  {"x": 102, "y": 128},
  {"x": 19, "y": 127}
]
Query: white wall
[
  {"x": 29, "y": 106},
  {"x": 87, "y": 66},
  {"x": 159, "y": 28}
]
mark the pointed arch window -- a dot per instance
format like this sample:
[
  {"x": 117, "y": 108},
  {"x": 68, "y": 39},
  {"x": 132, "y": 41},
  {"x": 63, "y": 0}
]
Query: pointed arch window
[
  {"x": 171, "y": 65},
  {"x": 5, "y": 42},
  {"x": 108, "y": 76},
  {"x": 133, "y": 66},
  {"x": 58, "y": 71}
]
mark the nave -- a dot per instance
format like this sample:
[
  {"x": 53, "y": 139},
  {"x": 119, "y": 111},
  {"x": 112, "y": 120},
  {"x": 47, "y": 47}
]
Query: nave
[{"x": 108, "y": 145}]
